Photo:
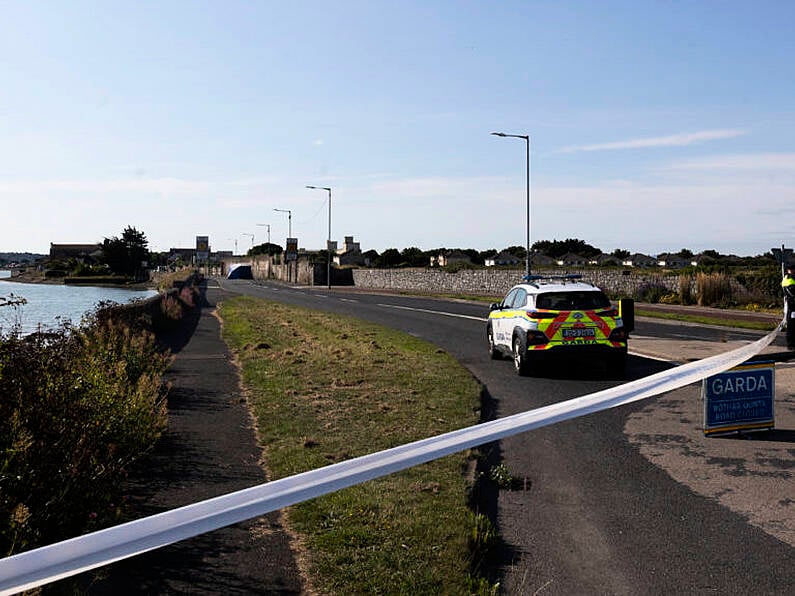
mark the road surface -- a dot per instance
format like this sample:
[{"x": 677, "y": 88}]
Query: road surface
[{"x": 596, "y": 517}]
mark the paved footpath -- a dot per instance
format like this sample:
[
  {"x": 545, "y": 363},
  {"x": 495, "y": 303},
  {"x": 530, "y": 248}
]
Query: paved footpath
[
  {"x": 750, "y": 474},
  {"x": 208, "y": 450}
]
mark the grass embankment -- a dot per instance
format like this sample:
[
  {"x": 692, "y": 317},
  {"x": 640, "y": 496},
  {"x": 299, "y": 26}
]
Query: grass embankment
[
  {"x": 706, "y": 320},
  {"x": 325, "y": 389}
]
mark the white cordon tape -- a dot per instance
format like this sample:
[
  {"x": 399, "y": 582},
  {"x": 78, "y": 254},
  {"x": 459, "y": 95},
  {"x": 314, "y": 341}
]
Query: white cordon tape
[{"x": 49, "y": 563}]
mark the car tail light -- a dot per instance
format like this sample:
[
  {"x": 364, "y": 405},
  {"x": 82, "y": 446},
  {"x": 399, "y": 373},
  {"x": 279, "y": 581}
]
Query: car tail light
[
  {"x": 535, "y": 314},
  {"x": 618, "y": 334},
  {"x": 535, "y": 338},
  {"x": 608, "y": 313}
]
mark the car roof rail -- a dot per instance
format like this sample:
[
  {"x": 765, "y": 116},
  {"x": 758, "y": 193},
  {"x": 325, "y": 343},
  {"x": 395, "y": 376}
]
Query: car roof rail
[{"x": 567, "y": 277}]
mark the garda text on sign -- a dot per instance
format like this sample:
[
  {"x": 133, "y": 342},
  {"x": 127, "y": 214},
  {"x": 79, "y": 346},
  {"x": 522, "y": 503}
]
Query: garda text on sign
[{"x": 740, "y": 398}]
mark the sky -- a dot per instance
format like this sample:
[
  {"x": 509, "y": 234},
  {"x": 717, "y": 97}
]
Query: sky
[{"x": 654, "y": 126}]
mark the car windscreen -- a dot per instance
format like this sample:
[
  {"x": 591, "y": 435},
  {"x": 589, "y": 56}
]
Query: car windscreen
[{"x": 572, "y": 301}]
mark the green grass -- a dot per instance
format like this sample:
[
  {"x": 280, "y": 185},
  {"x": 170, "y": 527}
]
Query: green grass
[
  {"x": 325, "y": 389},
  {"x": 704, "y": 320}
]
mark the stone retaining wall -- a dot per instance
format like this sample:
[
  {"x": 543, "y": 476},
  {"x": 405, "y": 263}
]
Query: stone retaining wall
[{"x": 496, "y": 282}]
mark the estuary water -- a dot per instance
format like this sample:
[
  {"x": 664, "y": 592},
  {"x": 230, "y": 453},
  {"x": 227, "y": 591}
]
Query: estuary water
[{"x": 48, "y": 305}]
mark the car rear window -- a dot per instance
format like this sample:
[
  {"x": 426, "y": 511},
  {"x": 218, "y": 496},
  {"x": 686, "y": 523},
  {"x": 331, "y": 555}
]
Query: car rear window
[{"x": 572, "y": 301}]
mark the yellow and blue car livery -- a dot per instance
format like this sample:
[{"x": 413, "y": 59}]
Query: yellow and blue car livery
[{"x": 556, "y": 316}]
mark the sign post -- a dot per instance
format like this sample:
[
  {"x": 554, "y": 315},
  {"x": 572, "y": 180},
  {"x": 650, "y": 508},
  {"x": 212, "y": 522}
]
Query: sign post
[
  {"x": 203, "y": 252},
  {"x": 290, "y": 256},
  {"x": 740, "y": 399}
]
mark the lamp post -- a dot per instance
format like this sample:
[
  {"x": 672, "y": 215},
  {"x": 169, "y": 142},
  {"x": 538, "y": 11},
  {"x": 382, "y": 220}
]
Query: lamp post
[
  {"x": 289, "y": 221},
  {"x": 269, "y": 233},
  {"x": 527, "y": 141},
  {"x": 252, "y": 238},
  {"x": 328, "y": 241},
  {"x": 235, "y": 241}
]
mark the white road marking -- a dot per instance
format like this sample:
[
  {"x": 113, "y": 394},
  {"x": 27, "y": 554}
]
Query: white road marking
[
  {"x": 348, "y": 300},
  {"x": 435, "y": 312}
]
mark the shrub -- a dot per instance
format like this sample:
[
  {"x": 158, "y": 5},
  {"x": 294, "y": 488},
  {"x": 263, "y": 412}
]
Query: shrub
[
  {"x": 713, "y": 289},
  {"x": 763, "y": 286},
  {"x": 78, "y": 406},
  {"x": 651, "y": 292}
]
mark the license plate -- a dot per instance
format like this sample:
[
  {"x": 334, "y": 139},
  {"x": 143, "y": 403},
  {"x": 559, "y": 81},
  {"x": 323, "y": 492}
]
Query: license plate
[{"x": 579, "y": 333}]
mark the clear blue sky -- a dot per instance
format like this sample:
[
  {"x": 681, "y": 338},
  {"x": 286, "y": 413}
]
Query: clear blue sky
[{"x": 655, "y": 126}]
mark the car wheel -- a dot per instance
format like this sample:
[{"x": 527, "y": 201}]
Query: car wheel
[
  {"x": 520, "y": 358},
  {"x": 617, "y": 363},
  {"x": 494, "y": 353}
]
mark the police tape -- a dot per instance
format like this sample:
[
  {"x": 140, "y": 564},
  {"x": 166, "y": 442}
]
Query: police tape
[{"x": 57, "y": 561}]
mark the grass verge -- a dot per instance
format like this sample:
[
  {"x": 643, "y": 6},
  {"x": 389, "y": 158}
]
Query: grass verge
[
  {"x": 326, "y": 388},
  {"x": 704, "y": 320}
]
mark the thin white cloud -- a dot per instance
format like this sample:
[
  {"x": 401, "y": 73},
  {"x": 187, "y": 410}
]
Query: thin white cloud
[
  {"x": 744, "y": 162},
  {"x": 677, "y": 140},
  {"x": 156, "y": 185}
]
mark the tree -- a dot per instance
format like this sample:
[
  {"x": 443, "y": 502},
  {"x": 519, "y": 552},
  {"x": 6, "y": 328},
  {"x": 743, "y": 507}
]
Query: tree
[
  {"x": 685, "y": 253},
  {"x": 620, "y": 253},
  {"x": 126, "y": 255},
  {"x": 413, "y": 257},
  {"x": 389, "y": 258},
  {"x": 558, "y": 248},
  {"x": 266, "y": 248},
  {"x": 487, "y": 254},
  {"x": 520, "y": 252}
]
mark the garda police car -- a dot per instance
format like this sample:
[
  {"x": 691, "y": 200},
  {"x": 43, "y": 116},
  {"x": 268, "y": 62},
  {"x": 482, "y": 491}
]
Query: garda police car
[{"x": 556, "y": 315}]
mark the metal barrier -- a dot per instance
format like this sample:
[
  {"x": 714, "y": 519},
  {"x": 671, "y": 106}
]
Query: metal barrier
[{"x": 49, "y": 563}]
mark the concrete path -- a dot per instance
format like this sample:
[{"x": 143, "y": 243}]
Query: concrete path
[{"x": 209, "y": 449}]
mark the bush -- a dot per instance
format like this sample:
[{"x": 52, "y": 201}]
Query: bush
[
  {"x": 763, "y": 286},
  {"x": 713, "y": 289},
  {"x": 78, "y": 406},
  {"x": 651, "y": 292}
]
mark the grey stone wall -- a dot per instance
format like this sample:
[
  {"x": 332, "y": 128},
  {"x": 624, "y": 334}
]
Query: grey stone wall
[{"x": 496, "y": 282}]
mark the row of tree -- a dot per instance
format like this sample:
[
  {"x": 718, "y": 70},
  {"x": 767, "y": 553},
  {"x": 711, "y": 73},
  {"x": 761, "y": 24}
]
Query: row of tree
[{"x": 415, "y": 257}]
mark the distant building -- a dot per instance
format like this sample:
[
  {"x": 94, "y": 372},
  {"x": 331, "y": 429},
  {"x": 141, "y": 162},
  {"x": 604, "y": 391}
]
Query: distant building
[
  {"x": 541, "y": 260},
  {"x": 639, "y": 260},
  {"x": 350, "y": 253},
  {"x": 502, "y": 259},
  {"x": 446, "y": 258},
  {"x": 671, "y": 261},
  {"x": 571, "y": 259},
  {"x": 81, "y": 252},
  {"x": 604, "y": 260}
]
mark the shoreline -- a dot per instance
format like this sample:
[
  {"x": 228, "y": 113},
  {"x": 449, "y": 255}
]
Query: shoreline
[{"x": 38, "y": 279}]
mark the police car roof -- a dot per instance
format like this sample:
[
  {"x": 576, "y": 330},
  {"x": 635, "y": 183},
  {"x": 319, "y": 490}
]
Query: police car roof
[{"x": 541, "y": 287}]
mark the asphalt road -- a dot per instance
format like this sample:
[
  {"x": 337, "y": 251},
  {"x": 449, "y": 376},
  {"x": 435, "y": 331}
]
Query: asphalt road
[{"x": 591, "y": 515}]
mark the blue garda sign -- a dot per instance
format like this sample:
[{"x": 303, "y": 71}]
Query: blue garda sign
[{"x": 740, "y": 399}]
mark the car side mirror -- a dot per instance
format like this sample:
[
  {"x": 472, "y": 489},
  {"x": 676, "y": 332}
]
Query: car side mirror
[{"x": 495, "y": 306}]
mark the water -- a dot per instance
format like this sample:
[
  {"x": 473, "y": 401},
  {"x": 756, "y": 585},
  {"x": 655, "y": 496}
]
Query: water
[{"x": 50, "y": 304}]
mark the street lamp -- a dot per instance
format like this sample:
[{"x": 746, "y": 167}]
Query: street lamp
[
  {"x": 235, "y": 240},
  {"x": 289, "y": 221},
  {"x": 328, "y": 242},
  {"x": 252, "y": 238},
  {"x": 527, "y": 141},
  {"x": 269, "y": 233}
]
